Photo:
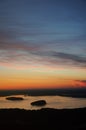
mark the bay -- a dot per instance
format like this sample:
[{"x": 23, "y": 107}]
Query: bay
[{"x": 58, "y": 102}]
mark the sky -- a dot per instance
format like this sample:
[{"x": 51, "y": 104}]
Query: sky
[{"x": 42, "y": 44}]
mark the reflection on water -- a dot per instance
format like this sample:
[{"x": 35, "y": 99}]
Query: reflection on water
[{"x": 58, "y": 102}]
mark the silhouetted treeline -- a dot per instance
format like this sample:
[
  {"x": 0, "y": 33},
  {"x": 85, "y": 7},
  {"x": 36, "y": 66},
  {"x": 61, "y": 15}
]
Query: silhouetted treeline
[{"x": 79, "y": 93}]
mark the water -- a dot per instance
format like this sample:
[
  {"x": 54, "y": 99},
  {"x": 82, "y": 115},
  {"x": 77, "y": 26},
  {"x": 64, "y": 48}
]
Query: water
[{"x": 58, "y": 102}]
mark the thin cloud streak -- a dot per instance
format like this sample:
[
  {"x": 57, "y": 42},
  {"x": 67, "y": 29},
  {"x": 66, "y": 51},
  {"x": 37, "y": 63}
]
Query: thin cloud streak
[
  {"x": 69, "y": 57},
  {"x": 28, "y": 56},
  {"x": 27, "y": 53}
]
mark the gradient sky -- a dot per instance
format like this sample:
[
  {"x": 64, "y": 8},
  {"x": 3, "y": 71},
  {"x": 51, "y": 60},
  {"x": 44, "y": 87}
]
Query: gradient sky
[{"x": 42, "y": 44}]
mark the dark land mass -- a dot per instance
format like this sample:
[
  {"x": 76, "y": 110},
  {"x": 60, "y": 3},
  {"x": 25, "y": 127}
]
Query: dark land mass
[
  {"x": 15, "y": 98},
  {"x": 38, "y": 103},
  {"x": 44, "y": 119},
  {"x": 76, "y": 93}
]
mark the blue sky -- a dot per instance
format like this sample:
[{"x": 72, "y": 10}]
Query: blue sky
[
  {"x": 49, "y": 33},
  {"x": 44, "y": 26}
]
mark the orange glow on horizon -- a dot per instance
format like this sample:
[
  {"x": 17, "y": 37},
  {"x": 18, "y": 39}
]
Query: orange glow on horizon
[
  {"x": 11, "y": 78},
  {"x": 37, "y": 83}
]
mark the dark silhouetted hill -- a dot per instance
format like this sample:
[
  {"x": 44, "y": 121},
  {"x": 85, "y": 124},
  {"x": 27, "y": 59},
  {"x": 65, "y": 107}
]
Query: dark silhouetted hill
[{"x": 44, "y": 119}]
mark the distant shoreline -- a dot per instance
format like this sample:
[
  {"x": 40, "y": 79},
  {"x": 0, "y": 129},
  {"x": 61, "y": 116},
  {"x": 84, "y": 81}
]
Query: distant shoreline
[{"x": 75, "y": 93}]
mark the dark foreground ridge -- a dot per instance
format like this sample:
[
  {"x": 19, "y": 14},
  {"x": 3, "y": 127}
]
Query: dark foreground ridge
[{"x": 44, "y": 119}]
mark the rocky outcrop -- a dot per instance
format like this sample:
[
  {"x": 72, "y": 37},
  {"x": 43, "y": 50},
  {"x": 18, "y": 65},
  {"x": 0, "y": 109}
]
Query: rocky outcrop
[
  {"x": 39, "y": 103},
  {"x": 15, "y": 98}
]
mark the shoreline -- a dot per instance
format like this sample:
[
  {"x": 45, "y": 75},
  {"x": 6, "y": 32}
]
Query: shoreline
[{"x": 74, "y": 93}]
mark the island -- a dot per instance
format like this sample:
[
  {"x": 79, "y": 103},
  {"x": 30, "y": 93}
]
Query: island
[
  {"x": 15, "y": 98},
  {"x": 39, "y": 103}
]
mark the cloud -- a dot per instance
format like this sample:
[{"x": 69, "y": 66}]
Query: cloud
[
  {"x": 63, "y": 59},
  {"x": 84, "y": 81},
  {"x": 17, "y": 46},
  {"x": 9, "y": 41},
  {"x": 15, "y": 51},
  {"x": 81, "y": 83},
  {"x": 69, "y": 57},
  {"x": 26, "y": 55}
]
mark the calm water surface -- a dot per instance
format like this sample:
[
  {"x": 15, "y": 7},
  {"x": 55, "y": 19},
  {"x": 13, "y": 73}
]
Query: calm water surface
[{"x": 58, "y": 102}]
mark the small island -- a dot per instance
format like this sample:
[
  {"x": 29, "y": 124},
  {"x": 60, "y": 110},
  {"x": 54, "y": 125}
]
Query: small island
[
  {"x": 39, "y": 103},
  {"x": 15, "y": 98}
]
